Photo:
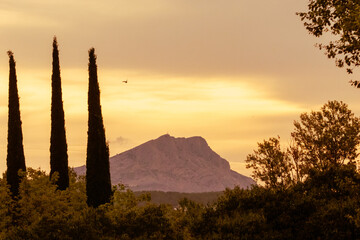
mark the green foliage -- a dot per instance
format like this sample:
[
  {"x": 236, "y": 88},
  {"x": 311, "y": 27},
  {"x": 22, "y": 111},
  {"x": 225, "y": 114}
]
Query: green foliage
[
  {"x": 322, "y": 197},
  {"x": 98, "y": 183},
  {"x": 44, "y": 212},
  {"x": 173, "y": 198},
  {"x": 340, "y": 19},
  {"x": 15, "y": 159},
  {"x": 232, "y": 217},
  {"x": 325, "y": 204},
  {"x": 58, "y": 145},
  {"x": 6, "y": 203}
]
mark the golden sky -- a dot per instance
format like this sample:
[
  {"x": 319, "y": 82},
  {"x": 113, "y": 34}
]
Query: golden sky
[{"x": 234, "y": 72}]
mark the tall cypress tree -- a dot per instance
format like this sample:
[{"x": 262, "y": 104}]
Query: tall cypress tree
[
  {"x": 15, "y": 159},
  {"x": 58, "y": 145},
  {"x": 98, "y": 183}
]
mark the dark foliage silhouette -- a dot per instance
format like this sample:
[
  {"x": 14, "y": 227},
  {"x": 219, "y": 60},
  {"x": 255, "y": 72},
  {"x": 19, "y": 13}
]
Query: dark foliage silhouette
[
  {"x": 321, "y": 139},
  {"x": 98, "y": 183},
  {"x": 341, "y": 20},
  {"x": 15, "y": 152},
  {"x": 58, "y": 145}
]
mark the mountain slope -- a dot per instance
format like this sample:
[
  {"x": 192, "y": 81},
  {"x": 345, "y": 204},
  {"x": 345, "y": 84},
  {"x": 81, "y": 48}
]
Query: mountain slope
[{"x": 173, "y": 164}]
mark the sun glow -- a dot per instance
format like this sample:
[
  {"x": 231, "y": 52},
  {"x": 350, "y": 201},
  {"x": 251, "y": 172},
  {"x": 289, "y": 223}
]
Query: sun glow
[{"x": 144, "y": 108}]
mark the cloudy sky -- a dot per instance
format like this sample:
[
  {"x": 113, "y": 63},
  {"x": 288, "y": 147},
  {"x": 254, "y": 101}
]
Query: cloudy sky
[{"x": 234, "y": 72}]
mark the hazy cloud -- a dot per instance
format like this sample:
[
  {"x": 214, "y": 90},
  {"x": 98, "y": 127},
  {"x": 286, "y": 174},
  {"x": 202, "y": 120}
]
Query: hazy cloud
[
  {"x": 120, "y": 141},
  {"x": 234, "y": 72}
]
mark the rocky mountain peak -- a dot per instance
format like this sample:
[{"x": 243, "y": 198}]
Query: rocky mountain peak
[{"x": 174, "y": 164}]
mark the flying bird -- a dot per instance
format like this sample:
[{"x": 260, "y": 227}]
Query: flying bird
[{"x": 125, "y": 81}]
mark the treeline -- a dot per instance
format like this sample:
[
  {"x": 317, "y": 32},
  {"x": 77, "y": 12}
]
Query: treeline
[
  {"x": 173, "y": 198},
  {"x": 308, "y": 190},
  {"x": 98, "y": 185},
  {"x": 325, "y": 206}
]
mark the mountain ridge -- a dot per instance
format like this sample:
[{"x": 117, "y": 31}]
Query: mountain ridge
[{"x": 173, "y": 165}]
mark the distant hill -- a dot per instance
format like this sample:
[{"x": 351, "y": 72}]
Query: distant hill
[
  {"x": 172, "y": 164},
  {"x": 173, "y": 198}
]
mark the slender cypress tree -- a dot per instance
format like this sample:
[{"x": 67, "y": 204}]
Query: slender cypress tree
[
  {"x": 98, "y": 183},
  {"x": 58, "y": 145},
  {"x": 15, "y": 159}
]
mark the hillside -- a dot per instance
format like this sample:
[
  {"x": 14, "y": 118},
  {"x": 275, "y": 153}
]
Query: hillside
[{"x": 173, "y": 165}]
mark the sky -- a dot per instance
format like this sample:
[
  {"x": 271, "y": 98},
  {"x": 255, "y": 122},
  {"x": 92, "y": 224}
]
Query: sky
[{"x": 235, "y": 72}]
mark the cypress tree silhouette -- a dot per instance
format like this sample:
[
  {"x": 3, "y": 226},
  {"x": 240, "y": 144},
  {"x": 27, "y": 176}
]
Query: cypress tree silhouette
[
  {"x": 58, "y": 145},
  {"x": 15, "y": 159},
  {"x": 98, "y": 183}
]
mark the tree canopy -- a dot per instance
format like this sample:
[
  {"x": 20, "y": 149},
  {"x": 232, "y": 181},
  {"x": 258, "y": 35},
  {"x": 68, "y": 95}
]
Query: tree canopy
[
  {"x": 270, "y": 164},
  {"x": 328, "y": 137},
  {"x": 320, "y": 140},
  {"x": 342, "y": 20},
  {"x": 323, "y": 205}
]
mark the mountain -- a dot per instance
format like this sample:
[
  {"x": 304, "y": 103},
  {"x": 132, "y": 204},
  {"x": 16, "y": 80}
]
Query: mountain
[{"x": 173, "y": 164}]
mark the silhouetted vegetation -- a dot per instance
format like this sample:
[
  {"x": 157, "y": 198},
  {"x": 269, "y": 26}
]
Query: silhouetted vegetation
[
  {"x": 173, "y": 198},
  {"x": 309, "y": 190},
  {"x": 58, "y": 145},
  {"x": 341, "y": 20},
  {"x": 98, "y": 183},
  {"x": 325, "y": 206},
  {"x": 321, "y": 140},
  {"x": 44, "y": 212},
  {"x": 324, "y": 203},
  {"x": 15, "y": 159}
]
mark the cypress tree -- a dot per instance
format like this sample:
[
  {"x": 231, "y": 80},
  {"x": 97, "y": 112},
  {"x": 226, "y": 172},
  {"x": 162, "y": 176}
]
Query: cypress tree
[
  {"x": 98, "y": 183},
  {"x": 15, "y": 159},
  {"x": 58, "y": 145}
]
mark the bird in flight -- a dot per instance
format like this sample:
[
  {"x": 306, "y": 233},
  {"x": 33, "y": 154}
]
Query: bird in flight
[{"x": 125, "y": 81}]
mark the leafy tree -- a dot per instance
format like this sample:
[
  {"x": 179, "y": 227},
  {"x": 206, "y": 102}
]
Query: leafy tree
[
  {"x": 341, "y": 20},
  {"x": 335, "y": 196},
  {"x": 270, "y": 164},
  {"x": 6, "y": 207},
  {"x": 328, "y": 137},
  {"x": 320, "y": 140},
  {"x": 15, "y": 151},
  {"x": 189, "y": 219},
  {"x": 325, "y": 206},
  {"x": 58, "y": 145},
  {"x": 45, "y": 212},
  {"x": 237, "y": 214},
  {"x": 98, "y": 183}
]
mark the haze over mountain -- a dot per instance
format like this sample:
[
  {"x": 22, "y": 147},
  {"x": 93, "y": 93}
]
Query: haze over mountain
[{"x": 173, "y": 164}]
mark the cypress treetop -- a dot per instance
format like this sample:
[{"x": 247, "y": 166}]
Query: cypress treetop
[
  {"x": 98, "y": 183},
  {"x": 15, "y": 159},
  {"x": 58, "y": 145}
]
